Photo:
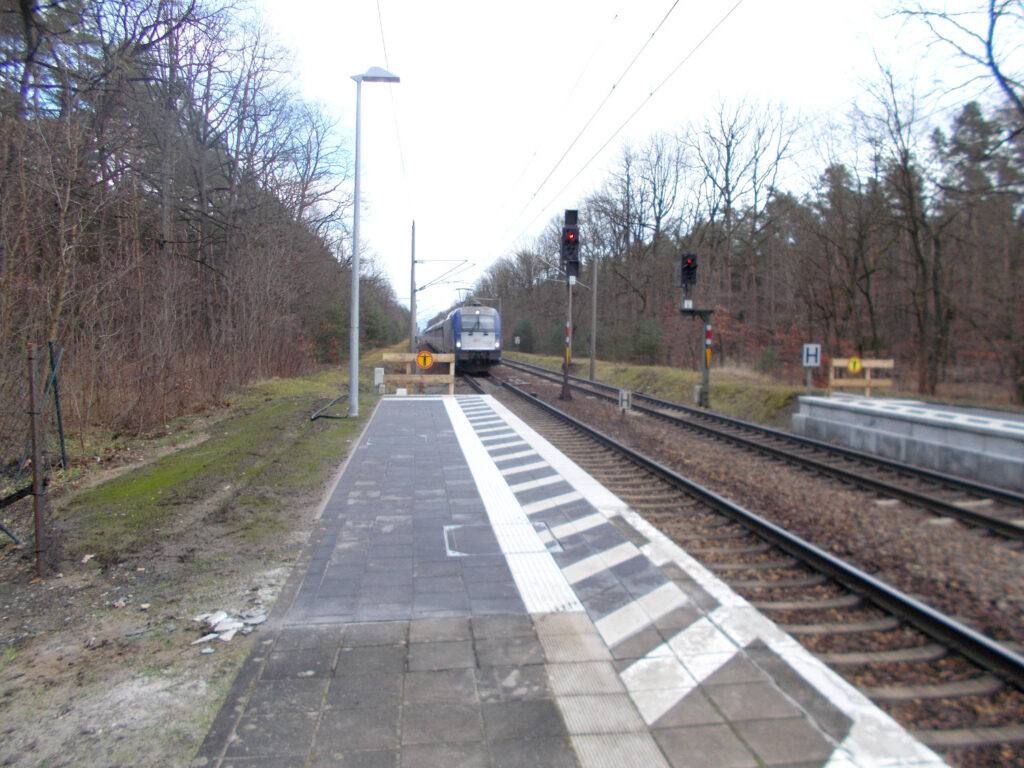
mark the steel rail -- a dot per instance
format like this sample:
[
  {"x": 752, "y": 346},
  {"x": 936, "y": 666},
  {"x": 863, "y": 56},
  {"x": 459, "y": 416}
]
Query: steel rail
[
  {"x": 982, "y": 650},
  {"x": 996, "y": 525},
  {"x": 958, "y": 483},
  {"x": 961, "y": 483}
]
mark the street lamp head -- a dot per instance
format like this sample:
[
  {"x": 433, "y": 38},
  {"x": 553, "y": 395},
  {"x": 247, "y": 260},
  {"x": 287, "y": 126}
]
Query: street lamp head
[{"x": 376, "y": 75}]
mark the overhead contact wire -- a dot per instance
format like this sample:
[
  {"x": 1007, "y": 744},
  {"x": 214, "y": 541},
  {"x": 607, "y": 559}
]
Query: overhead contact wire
[
  {"x": 604, "y": 101},
  {"x": 572, "y": 90},
  {"x": 394, "y": 109},
  {"x": 641, "y": 106}
]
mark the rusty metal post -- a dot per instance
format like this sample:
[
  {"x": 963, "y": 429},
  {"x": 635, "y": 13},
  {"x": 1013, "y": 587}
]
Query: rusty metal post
[{"x": 38, "y": 501}]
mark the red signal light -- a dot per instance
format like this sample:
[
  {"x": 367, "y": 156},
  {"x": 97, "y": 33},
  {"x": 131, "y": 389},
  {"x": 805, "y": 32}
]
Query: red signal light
[
  {"x": 689, "y": 268},
  {"x": 569, "y": 245}
]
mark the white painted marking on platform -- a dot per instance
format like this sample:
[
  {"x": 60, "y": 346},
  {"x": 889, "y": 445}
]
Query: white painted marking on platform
[
  {"x": 698, "y": 652},
  {"x": 662, "y": 600},
  {"x": 636, "y": 616},
  {"x": 524, "y": 468},
  {"x": 599, "y": 496},
  {"x": 555, "y": 501},
  {"x": 600, "y": 561},
  {"x": 498, "y": 442},
  {"x": 621, "y": 623},
  {"x": 537, "y": 576},
  {"x": 664, "y": 676},
  {"x": 550, "y": 541},
  {"x": 501, "y": 431},
  {"x": 875, "y": 740},
  {"x": 579, "y": 525},
  {"x": 529, "y": 485},
  {"x": 657, "y": 682},
  {"x": 513, "y": 456},
  {"x": 479, "y": 423}
]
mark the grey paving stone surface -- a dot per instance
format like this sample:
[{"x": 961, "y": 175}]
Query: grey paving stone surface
[
  {"x": 402, "y": 641},
  {"x": 705, "y": 746}
]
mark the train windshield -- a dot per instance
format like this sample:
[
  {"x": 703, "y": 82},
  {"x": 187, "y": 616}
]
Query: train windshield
[{"x": 472, "y": 323}]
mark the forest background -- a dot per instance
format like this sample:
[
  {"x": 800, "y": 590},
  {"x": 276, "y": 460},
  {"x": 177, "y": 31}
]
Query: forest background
[{"x": 176, "y": 217}]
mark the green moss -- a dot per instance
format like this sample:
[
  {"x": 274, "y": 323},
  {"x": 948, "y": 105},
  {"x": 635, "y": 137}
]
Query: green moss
[{"x": 264, "y": 448}]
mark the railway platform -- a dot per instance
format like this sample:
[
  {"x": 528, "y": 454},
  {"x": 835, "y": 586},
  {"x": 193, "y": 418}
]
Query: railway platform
[
  {"x": 471, "y": 597},
  {"x": 984, "y": 446}
]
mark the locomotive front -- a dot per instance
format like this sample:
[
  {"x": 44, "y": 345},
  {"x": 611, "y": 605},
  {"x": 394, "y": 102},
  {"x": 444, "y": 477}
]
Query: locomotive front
[{"x": 476, "y": 333}]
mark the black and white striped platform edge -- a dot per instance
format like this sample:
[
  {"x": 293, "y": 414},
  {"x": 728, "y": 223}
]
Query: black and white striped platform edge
[{"x": 497, "y": 444}]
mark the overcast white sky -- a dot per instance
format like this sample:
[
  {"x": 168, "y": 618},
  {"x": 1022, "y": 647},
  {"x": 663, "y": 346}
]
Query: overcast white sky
[{"x": 492, "y": 95}]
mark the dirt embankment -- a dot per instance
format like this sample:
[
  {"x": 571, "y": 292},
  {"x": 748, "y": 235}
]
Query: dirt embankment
[{"x": 96, "y": 661}]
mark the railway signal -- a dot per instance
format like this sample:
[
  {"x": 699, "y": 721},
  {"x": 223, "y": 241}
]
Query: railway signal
[
  {"x": 569, "y": 250},
  {"x": 570, "y": 242},
  {"x": 689, "y": 268},
  {"x": 688, "y": 277}
]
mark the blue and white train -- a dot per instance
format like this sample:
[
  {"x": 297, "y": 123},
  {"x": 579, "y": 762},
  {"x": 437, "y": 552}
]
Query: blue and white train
[{"x": 472, "y": 332}]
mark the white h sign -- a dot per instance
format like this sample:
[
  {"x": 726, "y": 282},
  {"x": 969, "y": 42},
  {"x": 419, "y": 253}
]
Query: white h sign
[{"x": 812, "y": 356}]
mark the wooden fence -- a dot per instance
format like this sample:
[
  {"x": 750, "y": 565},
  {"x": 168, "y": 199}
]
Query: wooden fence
[
  {"x": 418, "y": 381},
  {"x": 850, "y": 369}
]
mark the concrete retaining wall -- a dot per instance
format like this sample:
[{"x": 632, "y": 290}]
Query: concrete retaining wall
[{"x": 983, "y": 448}]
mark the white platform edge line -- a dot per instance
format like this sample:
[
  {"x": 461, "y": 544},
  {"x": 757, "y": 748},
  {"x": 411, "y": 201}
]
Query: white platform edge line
[{"x": 539, "y": 579}]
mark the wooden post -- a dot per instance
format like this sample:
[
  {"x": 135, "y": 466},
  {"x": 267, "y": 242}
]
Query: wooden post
[{"x": 38, "y": 500}]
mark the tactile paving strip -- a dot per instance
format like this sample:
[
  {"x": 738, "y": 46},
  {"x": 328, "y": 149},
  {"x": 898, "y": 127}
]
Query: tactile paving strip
[{"x": 540, "y": 582}]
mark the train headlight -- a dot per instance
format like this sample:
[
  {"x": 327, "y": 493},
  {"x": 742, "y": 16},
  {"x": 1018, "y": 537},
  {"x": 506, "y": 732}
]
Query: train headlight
[
  {"x": 497, "y": 343},
  {"x": 458, "y": 344}
]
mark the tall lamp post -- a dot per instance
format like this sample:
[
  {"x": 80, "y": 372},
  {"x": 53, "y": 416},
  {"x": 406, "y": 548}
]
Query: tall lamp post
[{"x": 372, "y": 75}]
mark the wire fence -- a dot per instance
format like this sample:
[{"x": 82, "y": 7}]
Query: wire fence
[{"x": 16, "y": 435}]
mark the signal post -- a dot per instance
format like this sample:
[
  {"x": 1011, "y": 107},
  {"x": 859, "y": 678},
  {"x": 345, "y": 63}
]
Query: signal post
[
  {"x": 569, "y": 255},
  {"x": 688, "y": 274}
]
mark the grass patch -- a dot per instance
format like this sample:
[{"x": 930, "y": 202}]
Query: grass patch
[
  {"x": 740, "y": 393},
  {"x": 262, "y": 449}
]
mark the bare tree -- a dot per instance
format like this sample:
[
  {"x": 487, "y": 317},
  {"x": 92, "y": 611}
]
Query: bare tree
[
  {"x": 739, "y": 152},
  {"x": 988, "y": 35},
  {"x": 167, "y": 208},
  {"x": 894, "y": 127}
]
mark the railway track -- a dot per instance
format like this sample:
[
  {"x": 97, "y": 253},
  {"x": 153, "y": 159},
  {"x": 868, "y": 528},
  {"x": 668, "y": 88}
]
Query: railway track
[
  {"x": 997, "y": 510},
  {"x": 955, "y": 689}
]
